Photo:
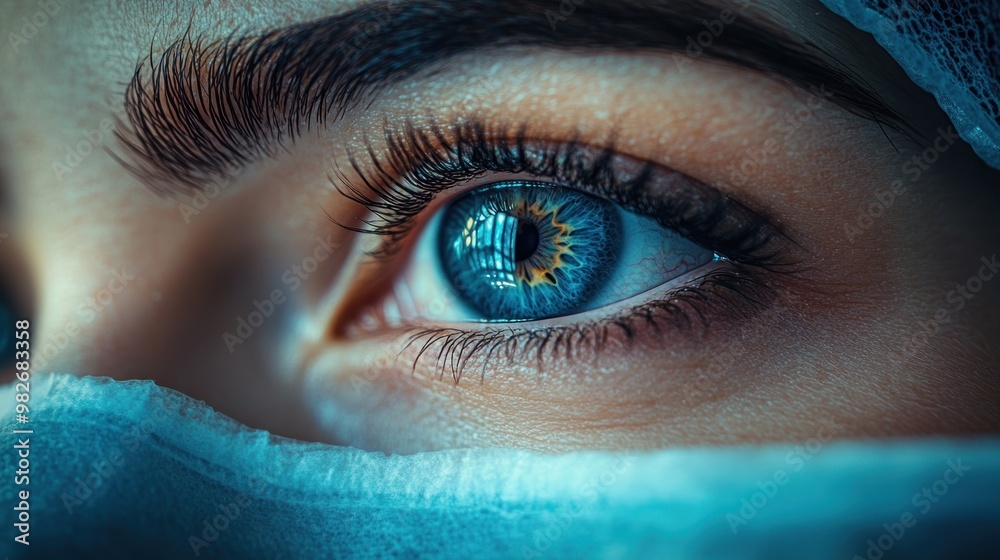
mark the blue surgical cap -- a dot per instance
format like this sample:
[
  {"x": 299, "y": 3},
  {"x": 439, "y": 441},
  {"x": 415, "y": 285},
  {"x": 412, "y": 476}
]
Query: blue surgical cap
[{"x": 950, "y": 49}]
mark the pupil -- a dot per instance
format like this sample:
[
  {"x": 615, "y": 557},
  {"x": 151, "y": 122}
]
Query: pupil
[
  {"x": 526, "y": 240},
  {"x": 519, "y": 251}
]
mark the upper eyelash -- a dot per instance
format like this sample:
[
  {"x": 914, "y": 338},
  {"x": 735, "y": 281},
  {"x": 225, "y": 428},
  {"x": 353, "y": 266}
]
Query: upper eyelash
[{"x": 421, "y": 163}]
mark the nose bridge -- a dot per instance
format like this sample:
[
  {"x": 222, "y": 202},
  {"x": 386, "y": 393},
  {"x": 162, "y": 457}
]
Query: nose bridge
[
  {"x": 162, "y": 313},
  {"x": 79, "y": 301}
]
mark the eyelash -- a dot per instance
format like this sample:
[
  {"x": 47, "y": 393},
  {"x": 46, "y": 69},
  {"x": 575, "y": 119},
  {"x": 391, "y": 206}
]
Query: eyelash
[
  {"x": 421, "y": 163},
  {"x": 733, "y": 293}
]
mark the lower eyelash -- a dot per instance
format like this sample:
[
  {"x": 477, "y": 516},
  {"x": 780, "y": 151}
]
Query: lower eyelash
[
  {"x": 421, "y": 164},
  {"x": 733, "y": 293}
]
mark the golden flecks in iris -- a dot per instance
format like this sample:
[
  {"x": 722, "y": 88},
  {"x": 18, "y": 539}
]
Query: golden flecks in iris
[
  {"x": 467, "y": 232},
  {"x": 553, "y": 243}
]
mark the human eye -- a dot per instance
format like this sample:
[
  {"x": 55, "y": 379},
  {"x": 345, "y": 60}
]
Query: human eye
[
  {"x": 524, "y": 250},
  {"x": 492, "y": 240},
  {"x": 698, "y": 276}
]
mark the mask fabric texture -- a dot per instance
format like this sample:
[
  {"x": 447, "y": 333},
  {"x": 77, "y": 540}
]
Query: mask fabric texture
[{"x": 130, "y": 469}]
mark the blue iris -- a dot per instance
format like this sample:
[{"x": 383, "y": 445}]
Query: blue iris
[{"x": 519, "y": 250}]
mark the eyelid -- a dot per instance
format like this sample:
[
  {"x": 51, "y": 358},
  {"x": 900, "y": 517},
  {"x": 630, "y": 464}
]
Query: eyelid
[
  {"x": 731, "y": 294},
  {"x": 421, "y": 163},
  {"x": 611, "y": 255}
]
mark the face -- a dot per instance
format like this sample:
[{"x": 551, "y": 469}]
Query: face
[{"x": 526, "y": 228}]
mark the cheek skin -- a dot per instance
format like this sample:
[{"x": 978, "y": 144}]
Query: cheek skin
[
  {"x": 831, "y": 353},
  {"x": 758, "y": 388}
]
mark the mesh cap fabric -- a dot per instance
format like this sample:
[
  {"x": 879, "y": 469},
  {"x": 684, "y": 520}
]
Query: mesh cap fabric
[{"x": 950, "y": 49}]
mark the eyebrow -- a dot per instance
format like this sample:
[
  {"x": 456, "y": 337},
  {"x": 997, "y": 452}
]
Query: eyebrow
[{"x": 203, "y": 109}]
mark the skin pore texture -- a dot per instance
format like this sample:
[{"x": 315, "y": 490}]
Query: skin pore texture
[{"x": 842, "y": 346}]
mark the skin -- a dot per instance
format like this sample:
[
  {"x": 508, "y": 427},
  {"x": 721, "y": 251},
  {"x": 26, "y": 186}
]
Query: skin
[{"x": 831, "y": 355}]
